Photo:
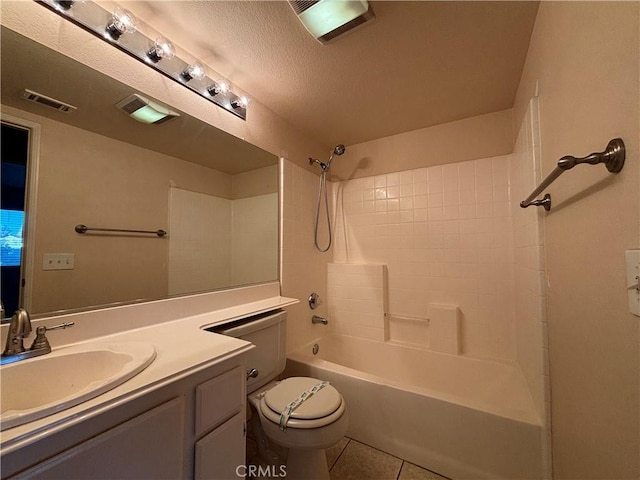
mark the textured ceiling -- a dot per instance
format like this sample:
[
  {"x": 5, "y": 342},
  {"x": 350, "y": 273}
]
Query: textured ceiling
[{"x": 418, "y": 64}]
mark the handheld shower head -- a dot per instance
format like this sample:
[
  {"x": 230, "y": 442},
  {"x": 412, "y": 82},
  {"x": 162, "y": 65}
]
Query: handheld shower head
[{"x": 338, "y": 150}]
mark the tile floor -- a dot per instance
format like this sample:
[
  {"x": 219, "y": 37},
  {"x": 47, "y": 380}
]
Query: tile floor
[{"x": 352, "y": 460}]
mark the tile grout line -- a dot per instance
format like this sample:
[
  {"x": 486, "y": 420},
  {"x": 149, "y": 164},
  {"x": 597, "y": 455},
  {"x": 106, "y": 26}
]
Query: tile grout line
[{"x": 341, "y": 453}]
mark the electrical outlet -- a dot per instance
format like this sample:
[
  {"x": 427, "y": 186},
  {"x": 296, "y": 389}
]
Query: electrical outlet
[{"x": 58, "y": 261}]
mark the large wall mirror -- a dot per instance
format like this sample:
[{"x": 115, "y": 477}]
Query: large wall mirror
[{"x": 215, "y": 195}]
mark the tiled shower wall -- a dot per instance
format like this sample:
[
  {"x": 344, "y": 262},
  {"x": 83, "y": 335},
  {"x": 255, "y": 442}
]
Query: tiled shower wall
[
  {"x": 531, "y": 327},
  {"x": 446, "y": 236},
  {"x": 450, "y": 234}
]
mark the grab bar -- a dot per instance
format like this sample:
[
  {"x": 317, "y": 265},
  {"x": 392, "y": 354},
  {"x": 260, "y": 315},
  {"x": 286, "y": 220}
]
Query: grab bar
[
  {"x": 613, "y": 158},
  {"x": 83, "y": 229}
]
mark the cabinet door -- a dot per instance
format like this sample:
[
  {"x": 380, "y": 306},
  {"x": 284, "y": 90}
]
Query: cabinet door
[
  {"x": 220, "y": 455},
  {"x": 149, "y": 446}
]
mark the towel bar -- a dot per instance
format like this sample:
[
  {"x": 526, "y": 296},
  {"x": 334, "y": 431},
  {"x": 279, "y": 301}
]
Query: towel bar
[{"x": 613, "y": 158}]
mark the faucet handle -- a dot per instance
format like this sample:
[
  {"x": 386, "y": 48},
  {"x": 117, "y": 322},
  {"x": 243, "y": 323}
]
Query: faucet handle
[{"x": 41, "y": 342}]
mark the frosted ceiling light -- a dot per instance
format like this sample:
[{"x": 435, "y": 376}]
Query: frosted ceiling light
[
  {"x": 145, "y": 111},
  {"x": 327, "y": 19}
]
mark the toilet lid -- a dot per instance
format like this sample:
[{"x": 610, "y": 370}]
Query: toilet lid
[{"x": 321, "y": 404}]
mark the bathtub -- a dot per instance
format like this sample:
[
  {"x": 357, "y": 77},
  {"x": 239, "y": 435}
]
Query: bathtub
[{"x": 462, "y": 417}]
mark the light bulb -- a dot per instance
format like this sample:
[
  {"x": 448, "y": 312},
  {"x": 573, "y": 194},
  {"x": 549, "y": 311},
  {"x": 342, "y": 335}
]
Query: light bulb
[
  {"x": 218, "y": 87},
  {"x": 64, "y": 5},
  {"x": 194, "y": 71},
  {"x": 240, "y": 102},
  {"x": 121, "y": 21},
  {"x": 162, "y": 48}
]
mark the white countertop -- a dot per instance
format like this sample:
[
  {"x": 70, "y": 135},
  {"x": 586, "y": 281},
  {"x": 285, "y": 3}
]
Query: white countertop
[{"x": 182, "y": 348}]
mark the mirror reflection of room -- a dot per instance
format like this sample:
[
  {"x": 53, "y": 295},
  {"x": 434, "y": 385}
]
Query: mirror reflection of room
[{"x": 215, "y": 195}]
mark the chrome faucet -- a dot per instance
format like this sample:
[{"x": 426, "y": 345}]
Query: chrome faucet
[
  {"x": 317, "y": 319},
  {"x": 19, "y": 329}
]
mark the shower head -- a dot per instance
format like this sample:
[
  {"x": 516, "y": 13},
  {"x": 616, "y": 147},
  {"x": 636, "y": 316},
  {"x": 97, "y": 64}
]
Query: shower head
[{"x": 338, "y": 150}]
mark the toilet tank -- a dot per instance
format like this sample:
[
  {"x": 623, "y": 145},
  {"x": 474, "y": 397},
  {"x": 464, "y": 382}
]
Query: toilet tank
[{"x": 267, "y": 332}]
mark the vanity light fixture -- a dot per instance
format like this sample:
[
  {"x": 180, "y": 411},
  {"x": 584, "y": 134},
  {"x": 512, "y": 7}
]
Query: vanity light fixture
[
  {"x": 218, "y": 87},
  {"x": 159, "y": 54},
  {"x": 122, "y": 21},
  {"x": 64, "y": 4},
  {"x": 195, "y": 71},
  {"x": 162, "y": 48},
  {"x": 240, "y": 102}
]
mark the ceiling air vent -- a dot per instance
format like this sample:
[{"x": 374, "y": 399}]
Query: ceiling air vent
[
  {"x": 328, "y": 19},
  {"x": 47, "y": 101}
]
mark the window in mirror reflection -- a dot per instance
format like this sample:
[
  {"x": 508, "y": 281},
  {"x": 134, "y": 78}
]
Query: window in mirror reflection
[{"x": 15, "y": 147}]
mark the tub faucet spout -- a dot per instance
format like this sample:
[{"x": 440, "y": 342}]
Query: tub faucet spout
[{"x": 317, "y": 319}]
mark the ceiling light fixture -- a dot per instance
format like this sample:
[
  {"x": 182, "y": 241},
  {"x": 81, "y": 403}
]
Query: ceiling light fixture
[
  {"x": 328, "y": 19},
  {"x": 159, "y": 54},
  {"x": 145, "y": 111}
]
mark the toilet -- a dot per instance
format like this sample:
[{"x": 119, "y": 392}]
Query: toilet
[{"x": 316, "y": 422}]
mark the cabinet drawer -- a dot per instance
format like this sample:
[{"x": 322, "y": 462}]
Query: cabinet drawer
[
  {"x": 218, "y": 399},
  {"x": 221, "y": 454}
]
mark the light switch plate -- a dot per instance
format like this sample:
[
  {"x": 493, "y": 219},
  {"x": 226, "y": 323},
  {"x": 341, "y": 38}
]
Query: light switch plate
[
  {"x": 632, "y": 260},
  {"x": 58, "y": 261}
]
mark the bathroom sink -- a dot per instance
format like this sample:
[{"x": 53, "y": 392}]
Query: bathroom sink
[{"x": 38, "y": 387}]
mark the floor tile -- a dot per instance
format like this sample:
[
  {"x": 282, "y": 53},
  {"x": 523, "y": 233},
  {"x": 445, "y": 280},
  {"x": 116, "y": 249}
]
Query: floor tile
[
  {"x": 359, "y": 461},
  {"x": 413, "y": 472},
  {"x": 334, "y": 452}
]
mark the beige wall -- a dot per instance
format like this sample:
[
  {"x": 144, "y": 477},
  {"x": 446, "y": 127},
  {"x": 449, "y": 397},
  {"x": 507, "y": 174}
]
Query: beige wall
[
  {"x": 261, "y": 181},
  {"x": 484, "y": 136},
  {"x": 304, "y": 269},
  {"x": 584, "y": 58}
]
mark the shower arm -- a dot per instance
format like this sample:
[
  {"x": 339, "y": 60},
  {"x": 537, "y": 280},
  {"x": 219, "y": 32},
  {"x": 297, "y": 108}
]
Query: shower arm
[{"x": 323, "y": 166}]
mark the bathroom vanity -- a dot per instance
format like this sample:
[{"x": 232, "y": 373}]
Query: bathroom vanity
[
  {"x": 192, "y": 427},
  {"x": 183, "y": 416}
]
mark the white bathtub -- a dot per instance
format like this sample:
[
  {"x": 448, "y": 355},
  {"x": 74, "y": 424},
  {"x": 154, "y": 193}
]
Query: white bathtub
[{"x": 462, "y": 417}]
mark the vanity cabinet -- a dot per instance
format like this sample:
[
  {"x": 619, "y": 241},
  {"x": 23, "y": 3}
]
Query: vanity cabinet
[
  {"x": 193, "y": 427},
  {"x": 147, "y": 446}
]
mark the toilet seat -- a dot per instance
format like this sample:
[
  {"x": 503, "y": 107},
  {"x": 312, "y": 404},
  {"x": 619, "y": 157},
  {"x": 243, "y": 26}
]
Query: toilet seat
[{"x": 323, "y": 408}]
